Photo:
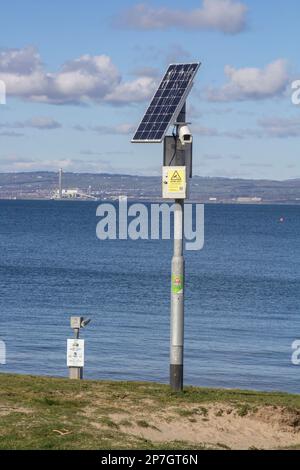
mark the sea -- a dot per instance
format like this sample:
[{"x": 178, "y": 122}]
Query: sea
[{"x": 242, "y": 311}]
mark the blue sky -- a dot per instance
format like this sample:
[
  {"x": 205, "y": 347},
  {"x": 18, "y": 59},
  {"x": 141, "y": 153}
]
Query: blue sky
[{"x": 79, "y": 76}]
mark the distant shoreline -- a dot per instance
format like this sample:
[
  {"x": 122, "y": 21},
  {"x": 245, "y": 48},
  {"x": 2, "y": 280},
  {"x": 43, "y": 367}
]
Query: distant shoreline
[
  {"x": 156, "y": 201},
  {"x": 102, "y": 186}
]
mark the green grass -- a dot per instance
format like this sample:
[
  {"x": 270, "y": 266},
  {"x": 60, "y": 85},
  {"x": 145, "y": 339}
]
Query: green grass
[{"x": 49, "y": 413}]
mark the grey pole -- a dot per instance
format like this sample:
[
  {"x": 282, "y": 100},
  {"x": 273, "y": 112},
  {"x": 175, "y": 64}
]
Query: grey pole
[
  {"x": 177, "y": 289},
  {"x": 182, "y": 115},
  {"x": 76, "y": 373},
  {"x": 177, "y": 285},
  {"x": 177, "y": 301}
]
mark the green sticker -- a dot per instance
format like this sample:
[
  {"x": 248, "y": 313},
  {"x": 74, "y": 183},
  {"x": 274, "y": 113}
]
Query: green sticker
[{"x": 177, "y": 284}]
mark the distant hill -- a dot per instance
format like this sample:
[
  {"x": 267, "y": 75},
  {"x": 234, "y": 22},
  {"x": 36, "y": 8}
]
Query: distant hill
[{"x": 104, "y": 185}]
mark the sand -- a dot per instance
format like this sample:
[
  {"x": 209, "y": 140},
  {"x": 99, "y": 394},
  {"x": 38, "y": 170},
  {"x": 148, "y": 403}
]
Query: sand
[{"x": 217, "y": 426}]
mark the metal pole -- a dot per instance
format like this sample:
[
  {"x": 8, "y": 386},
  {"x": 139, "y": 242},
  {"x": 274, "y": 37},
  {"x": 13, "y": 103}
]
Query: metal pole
[
  {"x": 182, "y": 115},
  {"x": 177, "y": 301},
  {"x": 177, "y": 289}
]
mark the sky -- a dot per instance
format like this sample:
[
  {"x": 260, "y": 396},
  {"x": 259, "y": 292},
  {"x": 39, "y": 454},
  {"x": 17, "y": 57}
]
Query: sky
[{"x": 79, "y": 76}]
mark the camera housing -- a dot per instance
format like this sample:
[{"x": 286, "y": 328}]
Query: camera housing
[
  {"x": 79, "y": 322},
  {"x": 185, "y": 135}
]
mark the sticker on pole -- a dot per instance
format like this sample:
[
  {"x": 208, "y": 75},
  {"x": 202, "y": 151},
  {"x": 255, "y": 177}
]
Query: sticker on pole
[
  {"x": 176, "y": 180},
  {"x": 75, "y": 353},
  {"x": 177, "y": 284}
]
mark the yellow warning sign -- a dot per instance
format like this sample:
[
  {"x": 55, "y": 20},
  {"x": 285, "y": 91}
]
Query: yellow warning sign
[
  {"x": 176, "y": 180},
  {"x": 176, "y": 177}
]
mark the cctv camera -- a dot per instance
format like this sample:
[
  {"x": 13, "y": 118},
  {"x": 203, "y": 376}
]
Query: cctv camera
[
  {"x": 85, "y": 322},
  {"x": 185, "y": 135}
]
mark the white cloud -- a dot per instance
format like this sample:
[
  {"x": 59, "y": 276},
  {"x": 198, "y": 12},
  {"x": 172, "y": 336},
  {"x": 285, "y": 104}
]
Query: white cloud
[
  {"x": 22, "y": 72},
  {"x": 280, "y": 127},
  {"x": 177, "y": 54},
  {"x": 232, "y": 134},
  {"x": 93, "y": 153},
  {"x": 252, "y": 83},
  {"x": 138, "y": 90},
  {"x": 10, "y": 134},
  {"x": 79, "y": 81},
  {"x": 21, "y": 61},
  {"x": 118, "y": 129},
  {"x": 88, "y": 77},
  {"x": 79, "y": 128},
  {"x": 269, "y": 127},
  {"x": 205, "y": 131},
  {"x": 226, "y": 16},
  {"x": 122, "y": 129},
  {"x": 41, "y": 123},
  {"x": 14, "y": 163},
  {"x": 146, "y": 72}
]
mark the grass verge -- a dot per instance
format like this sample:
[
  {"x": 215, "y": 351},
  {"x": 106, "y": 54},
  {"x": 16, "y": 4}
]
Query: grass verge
[{"x": 49, "y": 413}]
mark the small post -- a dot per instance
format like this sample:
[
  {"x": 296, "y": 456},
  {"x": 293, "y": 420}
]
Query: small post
[
  {"x": 75, "y": 352},
  {"x": 76, "y": 373}
]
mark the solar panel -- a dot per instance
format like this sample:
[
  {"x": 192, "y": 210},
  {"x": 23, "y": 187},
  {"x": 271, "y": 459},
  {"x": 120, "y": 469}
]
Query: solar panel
[{"x": 167, "y": 103}]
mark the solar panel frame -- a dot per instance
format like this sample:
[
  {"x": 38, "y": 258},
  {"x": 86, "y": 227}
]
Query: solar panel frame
[{"x": 160, "y": 122}]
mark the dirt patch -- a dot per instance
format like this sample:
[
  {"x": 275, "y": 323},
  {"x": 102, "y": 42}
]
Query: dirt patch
[
  {"x": 217, "y": 425},
  {"x": 8, "y": 410},
  {"x": 287, "y": 419}
]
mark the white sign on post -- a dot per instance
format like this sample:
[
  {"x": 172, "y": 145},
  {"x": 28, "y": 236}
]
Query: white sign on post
[{"x": 75, "y": 353}]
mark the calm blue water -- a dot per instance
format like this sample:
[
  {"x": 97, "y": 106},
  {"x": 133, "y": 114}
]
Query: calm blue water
[{"x": 242, "y": 296}]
